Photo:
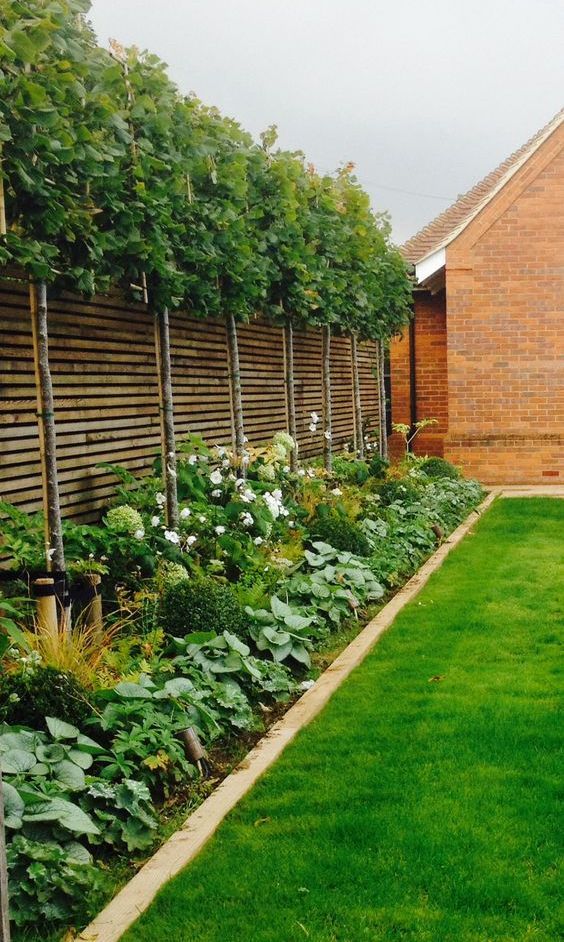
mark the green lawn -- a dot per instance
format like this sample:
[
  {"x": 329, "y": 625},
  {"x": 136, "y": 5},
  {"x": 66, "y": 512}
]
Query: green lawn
[{"x": 422, "y": 804}]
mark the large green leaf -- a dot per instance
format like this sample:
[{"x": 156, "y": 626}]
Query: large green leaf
[{"x": 59, "y": 729}]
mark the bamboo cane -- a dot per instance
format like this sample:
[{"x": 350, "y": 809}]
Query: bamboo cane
[
  {"x": 4, "y": 905},
  {"x": 288, "y": 330},
  {"x": 357, "y": 403},
  {"x": 162, "y": 344},
  {"x": 327, "y": 417}
]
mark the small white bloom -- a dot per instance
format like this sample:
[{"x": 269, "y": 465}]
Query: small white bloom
[
  {"x": 103, "y": 559},
  {"x": 190, "y": 540},
  {"x": 327, "y": 435},
  {"x": 314, "y": 417},
  {"x": 155, "y": 521},
  {"x": 216, "y": 492},
  {"x": 286, "y": 468},
  {"x": 301, "y": 472},
  {"x": 337, "y": 491},
  {"x": 225, "y": 463},
  {"x": 258, "y": 540},
  {"x": 239, "y": 482},
  {"x": 139, "y": 534},
  {"x": 215, "y": 476},
  {"x": 246, "y": 519},
  {"x": 202, "y": 519},
  {"x": 193, "y": 459},
  {"x": 312, "y": 427},
  {"x": 171, "y": 536},
  {"x": 184, "y": 513},
  {"x": 160, "y": 499},
  {"x": 219, "y": 530},
  {"x": 248, "y": 496},
  {"x": 291, "y": 523}
]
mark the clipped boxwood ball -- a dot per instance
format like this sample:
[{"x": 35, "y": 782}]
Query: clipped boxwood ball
[
  {"x": 200, "y": 605},
  {"x": 436, "y": 467},
  {"x": 341, "y": 533},
  {"x": 26, "y": 699}
]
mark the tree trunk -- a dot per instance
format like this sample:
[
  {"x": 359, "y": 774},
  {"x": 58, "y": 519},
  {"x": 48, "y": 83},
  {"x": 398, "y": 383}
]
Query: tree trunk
[
  {"x": 46, "y": 421},
  {"x": 4, "y": 911},
  {"x": 235, "y": 386},
  {"x": 327, "y": 425},
  {"x": 162, "y": 343},
  {"x": 357, "y": 404},
  {"x": 290, "y": 390},
  {"x": 382, "y": 400}
]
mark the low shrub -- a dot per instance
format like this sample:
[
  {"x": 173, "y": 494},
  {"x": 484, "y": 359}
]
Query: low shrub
[
  {"x": 341, "y": 532},
  {"x": 436, "y": 467},
  {"x": 202, "y": 604},
  {"x": 377, "y": 466},
  {"x": 352, "y": 470},
  {"x": 27, "y": 698},
  {"x": 399, "y": 489}
]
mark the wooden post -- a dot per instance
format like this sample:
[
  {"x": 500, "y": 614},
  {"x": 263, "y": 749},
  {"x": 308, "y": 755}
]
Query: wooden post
[
  {"x": 235, "y": 386},
  {"x": 162, "y": 344},
  {"x": 326, "y": 376},
  {"x": 47, "y": 438},
  {"x": 46, "y": 607},
  {"x": 357, "y": 403},
  {"x": 93, "y": 614},
  {"x": 4, "y": 907},
  {"x": 288, "y": 330}
]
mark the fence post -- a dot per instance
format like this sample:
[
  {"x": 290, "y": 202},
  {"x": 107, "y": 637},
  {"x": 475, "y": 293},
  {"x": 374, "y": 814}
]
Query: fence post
[
  {"x": 235, "y": 387},
  {"x": 327, "y": 423},
  {"x": 162, "y": 346},
  {"x": 4, "y": 907},
  {"x": 288, "y": 331},
  {"x": 357, "y": 403}
]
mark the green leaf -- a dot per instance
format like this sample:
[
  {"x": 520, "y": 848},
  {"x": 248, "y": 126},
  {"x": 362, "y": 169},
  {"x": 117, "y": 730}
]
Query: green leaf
[
  {"x": 69, "y": 775},
  {"x": 59, "y": 729},
  {"x": 279, "y": 608},
  {"x": 14, "y": 806},
  {"x": 16, "y": 761}
]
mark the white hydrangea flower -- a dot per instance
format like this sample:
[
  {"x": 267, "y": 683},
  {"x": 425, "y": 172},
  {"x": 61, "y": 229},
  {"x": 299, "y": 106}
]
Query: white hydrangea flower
[
  {"x": 239, "y": 482},
  {"x": 219, "y": 530},
  {"x": 190, "y": 540},
  {"x": 160, "y": 499},
  {"x": 215, "y": 477},
  {"x": 248, "y": 496},
  {"x": 246, "y": 519},
  {"x": 216, "y": 492},
  {"x": 171, "y": 536}
]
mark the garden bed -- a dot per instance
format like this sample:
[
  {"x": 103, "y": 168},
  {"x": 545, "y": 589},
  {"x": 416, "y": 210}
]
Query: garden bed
[{"x": 216, "y": 625}]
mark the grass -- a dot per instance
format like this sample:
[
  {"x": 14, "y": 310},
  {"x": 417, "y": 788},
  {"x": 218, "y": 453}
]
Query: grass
[{"x": 422, "y": 804}]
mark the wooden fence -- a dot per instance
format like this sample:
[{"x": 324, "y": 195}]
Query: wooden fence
[{"x": 103, "y": 363}]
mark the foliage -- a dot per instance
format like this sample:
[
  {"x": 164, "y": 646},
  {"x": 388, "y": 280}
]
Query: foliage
[
  {"x": 283, "y": 630},
  {"x": 27, "y": 696},
  {"x": 203, "y": 604},
  {"x": 439, "y": 468},
  {"x": 340, "y": 531}
]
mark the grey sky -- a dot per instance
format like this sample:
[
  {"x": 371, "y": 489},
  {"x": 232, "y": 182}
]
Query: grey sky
[{"x": 425, "y": 96}]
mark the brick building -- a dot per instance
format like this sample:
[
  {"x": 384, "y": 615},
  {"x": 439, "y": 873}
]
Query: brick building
[{"x": 485, "y": 351}]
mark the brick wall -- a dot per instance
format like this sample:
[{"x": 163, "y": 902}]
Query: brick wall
[{"x": 505, "y": 290}]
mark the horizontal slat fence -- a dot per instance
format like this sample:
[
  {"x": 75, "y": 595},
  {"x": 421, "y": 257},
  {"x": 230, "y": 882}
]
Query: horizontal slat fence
[{"x": 103, "y": 364}]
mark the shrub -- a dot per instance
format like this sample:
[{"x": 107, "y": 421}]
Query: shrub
[
  {"x": 352, "y": 470},
  {"x": 399, "y": 489},
  {"x": 27, "y": 698},
  {"x": 439, "y": 468},
  {"x": 201, "y": 605},
  {"x": 377, "y": 466},
  {"x": 342, "y": 533}
]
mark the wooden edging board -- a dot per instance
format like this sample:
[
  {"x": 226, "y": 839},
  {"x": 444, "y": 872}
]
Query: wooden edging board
[{"x": 185, "y": 844}]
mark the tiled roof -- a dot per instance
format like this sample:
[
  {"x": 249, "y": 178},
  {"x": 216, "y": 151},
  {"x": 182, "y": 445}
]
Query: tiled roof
[{"x": 453, "y": 220}]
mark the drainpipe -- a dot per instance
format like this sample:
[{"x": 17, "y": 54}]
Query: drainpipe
[{"x": 412, "y": 376}]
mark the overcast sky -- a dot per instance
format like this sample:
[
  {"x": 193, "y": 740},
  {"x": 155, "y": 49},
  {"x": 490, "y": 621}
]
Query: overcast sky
[{"x": 425, "y": 96}]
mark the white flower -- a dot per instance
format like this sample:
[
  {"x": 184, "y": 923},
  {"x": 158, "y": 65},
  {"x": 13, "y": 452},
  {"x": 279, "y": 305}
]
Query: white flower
[
  {"x": 327, "y": 435},
  {"x": 246, "y": 519},
  {"x": 286, "y": 468},
  {"x": 277, "y": 494},
  {"x": 284, "y": 512},
  {"x": 219, "y": 530},
  {"x": 310, "y": 473},
  {"x": 312, "y": 427},
  {"x": 291, "y": 523},
  {"x": 184, "y": 513},
  {"x": 190, "y": 540},
  {"x": 155, "y": 521},
  {"x": 314, "y": 417},
  {"x": 258, "y": 540},
  {"x": 202, "y": 519},
  {"x": 215, "y": 476},
  {"x": 337, "y": 491},
  {"x": 216, "y": 493},
  {"x": 248, "y": 496},
  {"x": 245, "y": 439},
  {"x": 239, "y": 482},
  {"x": 193, "y": 459},
  {"x": 171, "y": 536},
  {"x": 160, "y": 499},
  {"x": 139, "y": 534},
  {"x": 225, "y": 463},
  {"x": 220, "y": 450},
  {"x": 301, "y": 472}
]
